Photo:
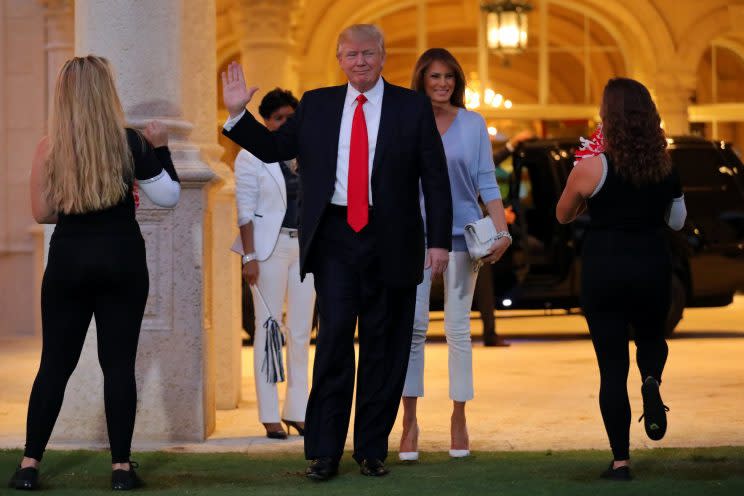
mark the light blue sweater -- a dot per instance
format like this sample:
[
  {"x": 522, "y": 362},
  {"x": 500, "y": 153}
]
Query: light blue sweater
[{"x": 471, "y": 171}]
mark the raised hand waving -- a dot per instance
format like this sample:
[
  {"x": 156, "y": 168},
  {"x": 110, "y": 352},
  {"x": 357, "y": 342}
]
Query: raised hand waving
[{"x": 235, "y": 93}]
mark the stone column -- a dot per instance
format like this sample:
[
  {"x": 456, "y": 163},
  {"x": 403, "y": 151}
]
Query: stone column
[
  {"x": 672, "y": 92},
  {"x": 59, "y": 47},
  {"x": 225, "y": 288},
  {"x": 162, "y": 74},
  {"x": 222, "y": 267},
  {"x": 60, "y": 39},
  {"x": 266, "y": 45}
]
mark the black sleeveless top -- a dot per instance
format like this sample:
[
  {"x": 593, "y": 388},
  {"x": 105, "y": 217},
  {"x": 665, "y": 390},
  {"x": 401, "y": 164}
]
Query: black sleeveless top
[
  {"x": 620, "y": 205},
  {"x": 149, "y": 163}
]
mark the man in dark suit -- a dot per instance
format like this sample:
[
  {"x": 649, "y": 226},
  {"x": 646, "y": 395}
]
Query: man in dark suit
[{"x": 363, "y": 149}]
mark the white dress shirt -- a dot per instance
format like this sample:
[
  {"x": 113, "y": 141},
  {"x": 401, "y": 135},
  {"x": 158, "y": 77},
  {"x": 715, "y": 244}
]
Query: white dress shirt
[{"x": 372, "y": 112}]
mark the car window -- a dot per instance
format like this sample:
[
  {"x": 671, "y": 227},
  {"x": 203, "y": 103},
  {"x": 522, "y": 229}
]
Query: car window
[{"x": 709, "y": 181}]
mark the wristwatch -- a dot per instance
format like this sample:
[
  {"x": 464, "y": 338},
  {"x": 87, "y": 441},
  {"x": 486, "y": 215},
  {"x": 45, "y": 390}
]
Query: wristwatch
[{"x": 249, "y": 257}]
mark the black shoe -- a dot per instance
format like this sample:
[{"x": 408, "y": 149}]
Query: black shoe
[
  {"x": 322, "y": 469},
  {"x": 276, "y": 434},
  {"x": 126, "y": 480},
  {"x": 373, "y": 468},
  {"x": 495, "y": 341},
  {"x": 291, "y": 423},
  {"x": 618, "y": 474},
  {"x": 25, "y": 479},
  {"x": 654, "y": 410}
]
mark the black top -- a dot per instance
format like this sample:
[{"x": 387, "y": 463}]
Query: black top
[
  {"x": 409, "y": 152},
  {"x": 292, "y": 181},
  {"x": 620, "y": 205},
  {"x": 149, "y": 162}
]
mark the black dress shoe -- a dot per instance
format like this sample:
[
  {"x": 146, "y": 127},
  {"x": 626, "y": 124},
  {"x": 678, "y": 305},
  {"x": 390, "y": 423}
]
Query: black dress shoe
[
  {"x": 25, "y": 479},
  {"x": 654, "y": 410},
  {"x": 373, "y": 468},
  {"x": 618, "y": 474},
  {"x": 126, "y": 480},
  {"x": 322, "y": 469}
]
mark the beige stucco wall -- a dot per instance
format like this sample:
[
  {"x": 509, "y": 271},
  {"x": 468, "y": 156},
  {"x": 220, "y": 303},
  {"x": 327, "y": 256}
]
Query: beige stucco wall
[{"x": 22, "y": 123}]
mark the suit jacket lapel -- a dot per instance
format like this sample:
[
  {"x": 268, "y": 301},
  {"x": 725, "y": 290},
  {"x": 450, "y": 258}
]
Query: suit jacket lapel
[
  {"x": 276, "y": 173},
  {"x": 335, "y": 112},
  {"x": 386, "y": 131}
]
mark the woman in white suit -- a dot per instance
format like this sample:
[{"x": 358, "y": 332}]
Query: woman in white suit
[{"x": 268, "y": 197}]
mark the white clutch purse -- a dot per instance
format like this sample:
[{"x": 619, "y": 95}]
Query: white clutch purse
[{"x": 480, "y": 236}]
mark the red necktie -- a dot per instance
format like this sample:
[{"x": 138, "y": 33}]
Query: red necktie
[{"x": 357, "y": 187}]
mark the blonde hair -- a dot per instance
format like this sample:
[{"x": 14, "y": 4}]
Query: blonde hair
[
  {"x": 89, "y": 166},
  {"x": 363, "y": 31}
]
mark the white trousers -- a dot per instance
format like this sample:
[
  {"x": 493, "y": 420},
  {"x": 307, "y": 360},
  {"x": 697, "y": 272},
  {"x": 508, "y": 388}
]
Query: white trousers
[
  {"x": 279, "y": 277},
  {"x": 459, "y": 286}
]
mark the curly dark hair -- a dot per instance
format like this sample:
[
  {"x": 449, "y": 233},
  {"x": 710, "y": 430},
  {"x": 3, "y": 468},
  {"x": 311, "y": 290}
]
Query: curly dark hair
[
  {"x": 274, "y": 100},
  {"x": 634, "y": 138},
  {"x": 441, "y": 55}
]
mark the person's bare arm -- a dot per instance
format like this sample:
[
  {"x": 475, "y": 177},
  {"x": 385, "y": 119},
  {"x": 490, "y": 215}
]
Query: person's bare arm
[
  {"x": 250, "y": 270},
  {"x": 43, "y": 213},
  {"x": 581, "y": 183},
  {"x": 498, "y": 217}
]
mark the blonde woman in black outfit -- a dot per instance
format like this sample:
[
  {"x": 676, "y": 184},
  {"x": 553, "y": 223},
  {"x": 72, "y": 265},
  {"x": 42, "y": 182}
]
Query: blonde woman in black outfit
[
  {"x": 82, "y": 179},
  {"x": 633, "y": 195}
]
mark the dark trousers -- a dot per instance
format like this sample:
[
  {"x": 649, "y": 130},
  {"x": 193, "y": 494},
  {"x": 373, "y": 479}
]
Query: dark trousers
[
  {"x": 626, "y": 281},
  {"x": 346, "y": 269},
  {"x": 105, "y": 277}
]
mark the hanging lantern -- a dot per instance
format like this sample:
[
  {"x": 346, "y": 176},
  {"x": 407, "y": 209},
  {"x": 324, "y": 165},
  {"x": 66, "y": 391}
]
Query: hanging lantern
[{"x": 506, "y": 25}]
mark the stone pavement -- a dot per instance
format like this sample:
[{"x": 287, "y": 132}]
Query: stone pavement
[{"x": 538, "y": 394}]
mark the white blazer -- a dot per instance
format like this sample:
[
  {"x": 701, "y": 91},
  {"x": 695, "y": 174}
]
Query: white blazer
[{"x": 261, "y": 195}]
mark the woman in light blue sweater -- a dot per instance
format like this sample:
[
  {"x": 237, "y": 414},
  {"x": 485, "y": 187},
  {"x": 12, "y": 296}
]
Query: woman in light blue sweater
[{"x": 472, "y": 174}]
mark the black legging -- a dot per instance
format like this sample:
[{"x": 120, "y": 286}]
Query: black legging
[
  {"x": 103, "y": 276},
  {"x": 625, "y": 281}
]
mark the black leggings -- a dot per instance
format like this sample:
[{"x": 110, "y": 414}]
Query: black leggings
[
  {"x": 625, "y": 282},
  {"x": 105, "y": 277}
]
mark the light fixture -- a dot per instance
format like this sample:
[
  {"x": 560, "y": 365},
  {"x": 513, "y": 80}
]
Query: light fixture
[
  {"x": 506, "y": 24},
  {"x": 475, "y": 98}
]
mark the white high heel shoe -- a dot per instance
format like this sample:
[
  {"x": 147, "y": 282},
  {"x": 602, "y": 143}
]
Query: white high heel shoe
[
  {"x": 461, "y": 453},
  {"x": 410, "y": 456}
]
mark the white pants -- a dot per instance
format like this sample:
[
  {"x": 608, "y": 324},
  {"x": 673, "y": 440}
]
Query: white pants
[
  {"x": 279, "y": 277},
  {"x": 459, "y": 286}
]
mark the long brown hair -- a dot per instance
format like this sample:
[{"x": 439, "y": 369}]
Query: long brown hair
[
  {"x": 89, "y": 165},
  {"x": 441, "y": 55},
  {"x": 634, "y": 138}
]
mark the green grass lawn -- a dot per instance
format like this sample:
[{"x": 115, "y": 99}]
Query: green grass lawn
[{"x": 679, "y": 472}]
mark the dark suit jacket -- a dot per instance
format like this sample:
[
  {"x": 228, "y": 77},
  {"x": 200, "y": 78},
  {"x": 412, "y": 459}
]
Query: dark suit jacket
[{"x": 409, "y": 149}]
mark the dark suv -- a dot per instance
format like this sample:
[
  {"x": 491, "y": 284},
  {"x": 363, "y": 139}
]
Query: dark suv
[{"x": 542, "y": 269}]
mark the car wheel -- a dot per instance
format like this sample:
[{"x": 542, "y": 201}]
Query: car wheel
[{"x": 677, "y": 307}]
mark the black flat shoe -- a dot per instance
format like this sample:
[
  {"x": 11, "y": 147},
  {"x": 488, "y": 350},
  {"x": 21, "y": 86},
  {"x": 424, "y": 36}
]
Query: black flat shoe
[
  {"x": 126, "y": 480},
  {"x": 322, "y": 469},
  {"x": 25, "y": 479},
  {"x": 617, "y": 474},
  {"x": 373, "y": 468},
  {"x": 295, "y": 425},
  {"x": 654, "y": 410}
]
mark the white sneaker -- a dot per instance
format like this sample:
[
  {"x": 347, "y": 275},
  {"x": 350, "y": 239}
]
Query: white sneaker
[
  {"x": 459, "y": 453},
  {"x": 408, "y": 456}
]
